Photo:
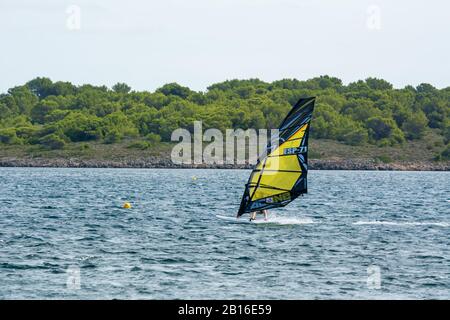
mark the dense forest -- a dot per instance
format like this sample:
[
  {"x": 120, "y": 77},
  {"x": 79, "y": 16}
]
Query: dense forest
[{"x": 53, "y": 114}]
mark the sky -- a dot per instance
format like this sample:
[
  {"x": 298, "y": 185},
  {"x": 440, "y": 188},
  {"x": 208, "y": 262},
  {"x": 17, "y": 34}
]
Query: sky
[{"x": 200, "y": 42}]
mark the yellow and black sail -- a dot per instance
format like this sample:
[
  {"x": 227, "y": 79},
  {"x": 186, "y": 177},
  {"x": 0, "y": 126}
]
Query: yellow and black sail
[{"x": 280, "y": 176}]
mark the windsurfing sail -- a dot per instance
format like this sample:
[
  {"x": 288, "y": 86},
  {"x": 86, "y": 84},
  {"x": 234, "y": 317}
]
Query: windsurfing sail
[{"x": 280, "y": 176}]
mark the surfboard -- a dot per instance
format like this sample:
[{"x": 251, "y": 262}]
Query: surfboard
[
  {"x": 271, "y": 220},
  {"x": 234, "y": 219}
]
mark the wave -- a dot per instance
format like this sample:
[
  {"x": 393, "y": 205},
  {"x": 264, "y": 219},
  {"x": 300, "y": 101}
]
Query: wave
[
  {"x": 285, "y": 220},
  {"x": 400, "y": 223},
  {"x": 272, "y": 220}
]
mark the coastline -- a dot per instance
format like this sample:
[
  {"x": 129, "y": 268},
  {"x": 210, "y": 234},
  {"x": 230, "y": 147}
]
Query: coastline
[{"x": 159, "y": 162}]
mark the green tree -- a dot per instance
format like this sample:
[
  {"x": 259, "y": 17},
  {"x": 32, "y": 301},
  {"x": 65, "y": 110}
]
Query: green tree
[
  {"x": 24, "y": 98},
  {"x": 153, "y": 138},
  {"x": 8, "y": 136},
  {"x": 116, "y": 125},
  {"x": 52, "y": 141},
  {"x": 61, "y": 88},
  {"x": 41, "y": 87},
  {"x": 384, "y": 128},
  {"x": 445, "y": 154},
  {"x": 121, "y": 88},
  {"x": 175, "y": 89},
  {"x": 369, "y": 111},
  {"x": 415, "y": 125},
  {"x": 378, "y": 84},
  {"x": 113, "y": 136},
  {"x": 78, "y": 126},
  {"x": 4, "y": 111},
  {"x": 42, "y": 109}
]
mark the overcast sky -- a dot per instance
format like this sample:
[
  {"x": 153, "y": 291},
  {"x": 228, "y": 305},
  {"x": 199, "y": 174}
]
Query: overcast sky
[{"x": 198, "y": 42}]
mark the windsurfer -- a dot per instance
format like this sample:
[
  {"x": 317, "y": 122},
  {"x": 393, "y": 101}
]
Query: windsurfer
[{"x": 254, "y": 213}]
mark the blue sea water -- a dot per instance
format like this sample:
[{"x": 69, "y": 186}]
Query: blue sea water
[{"x": 355, "y": 235}]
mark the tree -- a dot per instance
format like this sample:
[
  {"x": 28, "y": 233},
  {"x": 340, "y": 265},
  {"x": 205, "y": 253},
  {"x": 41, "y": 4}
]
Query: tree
[
  {"x": 78, "y": 126},
  {"x": 355, "y": 137},
  {"x": 401, "y": 114},
  {"x": 425, "y": 88},
  {"x": 153, "y": 138},
  {"x": 446, "y": 131},
  {"x": 42, "y": 109},
  {"x": 445, "y": 154},
  {"x": 116, "y": 125},
  {"x": 52, "y": 141},
  {"x": 378, "y": 84},
  {"x": 384, "y": 128},
  {"x": 175, "y": 89},
  {"x": 8, "y": 136},
  {"x": 42, "y": 87},
  {"x": 61, "y": 88},
  {"x": 415, "y": 125},
  {"x": 435, "y": 110},
  {"x": 4, "y": 111},
  {"x": 121, "y": 88},
  {"x": 369, "y": 111},
  {"x": 113, "y": 136},
  {"x": 326, "y": 82},
  {"x": 24, "y": 98},
  {"x": 10, "y": 104}
]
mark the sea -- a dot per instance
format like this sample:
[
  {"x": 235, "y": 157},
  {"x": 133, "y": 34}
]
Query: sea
[{"x": 354, "y": 235}]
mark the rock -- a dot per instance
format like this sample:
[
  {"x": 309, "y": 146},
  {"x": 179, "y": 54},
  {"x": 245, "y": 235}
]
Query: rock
[{"x": 161, "y": 162}]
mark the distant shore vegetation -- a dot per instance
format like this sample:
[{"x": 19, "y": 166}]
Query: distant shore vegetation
[{"x": 54, "y": 114}]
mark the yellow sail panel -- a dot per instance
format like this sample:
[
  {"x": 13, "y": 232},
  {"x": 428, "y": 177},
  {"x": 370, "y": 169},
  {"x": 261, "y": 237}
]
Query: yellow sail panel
[
  {"x": 281, "y": 180},
  {"x": 275, "y": 166},
  {"x": 255, "y": 178},
  {"x": 262, "y": 193},
  {"x": 299, "y": 134},
  {"x": 290, "y": 144},
  {"x": 288, "y": 162},
  {"x": 293, "y": 142}
]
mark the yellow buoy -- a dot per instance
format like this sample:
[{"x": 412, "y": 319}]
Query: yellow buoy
[
  {"x": 127, "y": 205},
  {"x": 194, "y": 178}
]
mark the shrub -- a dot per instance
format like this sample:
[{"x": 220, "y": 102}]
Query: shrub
[
  {"x": 355, "y": 138},
  {"x": 153, "y": 138},
  {"x": 415, "y": 126},
  {"x": 380, "y": 128},
  {"x": 8, "y": 136},
  {"x": 445, "y": 154},
  {"x": 42, "y": 109},
  {"x": 142, "y": 145},
  {"x": 384, "y": 158},
  {"x": 113, "y": 137},
  {"x": 384, "y": 130},
  {"x": 52, "y": 141},
  {"x": 80, "y": 127}
]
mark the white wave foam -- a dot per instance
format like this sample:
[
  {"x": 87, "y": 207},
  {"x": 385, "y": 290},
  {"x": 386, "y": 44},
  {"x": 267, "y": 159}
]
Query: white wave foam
[
  {"x": 272, "y": 220},
  {"x": 285, "y": 221},
  {"x": 397, "y": 223}
]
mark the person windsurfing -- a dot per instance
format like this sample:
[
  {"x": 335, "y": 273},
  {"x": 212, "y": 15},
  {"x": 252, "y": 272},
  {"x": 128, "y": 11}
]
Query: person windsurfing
[
  {"x": 280, "y": 176},
  {"x": 254, "y": 213}
]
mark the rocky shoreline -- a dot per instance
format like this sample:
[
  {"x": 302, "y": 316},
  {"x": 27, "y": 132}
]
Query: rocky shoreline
[{"x": 156, "y": 162}]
